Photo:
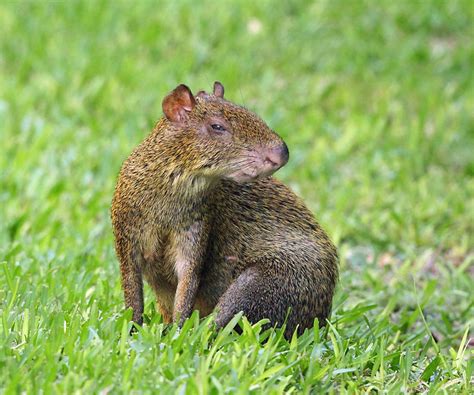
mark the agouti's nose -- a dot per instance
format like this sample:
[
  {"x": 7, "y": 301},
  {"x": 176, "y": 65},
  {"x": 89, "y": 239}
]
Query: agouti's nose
[{"x": 278, "y": 156}]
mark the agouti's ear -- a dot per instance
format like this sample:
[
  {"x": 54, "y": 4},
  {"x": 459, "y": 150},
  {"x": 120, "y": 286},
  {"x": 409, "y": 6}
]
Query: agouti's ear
[
  {"x": 218, "y": 89},
  {"x": 178, "y": 104}
]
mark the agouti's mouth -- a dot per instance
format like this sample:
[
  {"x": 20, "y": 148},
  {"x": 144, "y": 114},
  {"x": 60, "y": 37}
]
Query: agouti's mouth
[
  {"x": 249, "y": 176},
  {"x": 243, "y": 176}
]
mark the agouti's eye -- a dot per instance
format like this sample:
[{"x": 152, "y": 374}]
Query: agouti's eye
[{"x": 218, "y": 127}]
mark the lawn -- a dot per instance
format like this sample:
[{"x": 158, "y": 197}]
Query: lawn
[{"x": 375, "y": 101}]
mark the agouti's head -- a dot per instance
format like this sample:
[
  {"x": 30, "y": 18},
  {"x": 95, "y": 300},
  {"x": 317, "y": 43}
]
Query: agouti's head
[{"x": 219, "y": 139}]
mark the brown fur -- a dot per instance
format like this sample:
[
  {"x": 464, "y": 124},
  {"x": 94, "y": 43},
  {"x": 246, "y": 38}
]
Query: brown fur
[{"x": 196, "y": 213}]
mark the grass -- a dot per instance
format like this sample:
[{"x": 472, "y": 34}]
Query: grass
[{"x": 375, "y": 102}]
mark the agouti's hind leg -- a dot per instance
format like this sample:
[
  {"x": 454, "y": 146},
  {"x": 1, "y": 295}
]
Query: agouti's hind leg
[{"x": 258, "y": 297}]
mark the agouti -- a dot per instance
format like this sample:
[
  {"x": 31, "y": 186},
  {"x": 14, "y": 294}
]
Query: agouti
[{"x": 198, "y": 215}]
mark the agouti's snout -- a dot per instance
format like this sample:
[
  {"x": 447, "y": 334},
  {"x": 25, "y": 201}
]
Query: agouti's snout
[
  {"x": 277, "y": 157},
  {"x": 273, "y": 159}
]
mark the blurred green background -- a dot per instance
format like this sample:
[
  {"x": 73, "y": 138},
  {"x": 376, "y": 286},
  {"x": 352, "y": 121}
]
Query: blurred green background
[{"x": 374, "y": 99}]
